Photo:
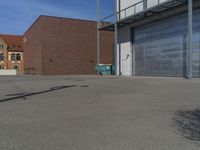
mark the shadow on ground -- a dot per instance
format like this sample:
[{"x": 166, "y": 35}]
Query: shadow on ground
[
  {"x": 188, "y": 124},
  {"x": 25, "y": 95}
]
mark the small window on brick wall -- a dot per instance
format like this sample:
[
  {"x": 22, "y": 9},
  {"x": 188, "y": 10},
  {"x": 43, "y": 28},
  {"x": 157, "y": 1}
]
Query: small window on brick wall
[
  {"x": 18, "y": 57},
  {"x": 16, "y": 67},
  {"x": 1, "y": 46},
  {"x": 1, "y": 56},
  {"x": 13, "y": 57},
  {"x": 1, "y": 67}
]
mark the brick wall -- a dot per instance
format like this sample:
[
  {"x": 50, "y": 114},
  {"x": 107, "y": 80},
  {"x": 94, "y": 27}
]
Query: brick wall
[
  {"x": 65, "y": 46},
  {"x": 33, "y": 49}
]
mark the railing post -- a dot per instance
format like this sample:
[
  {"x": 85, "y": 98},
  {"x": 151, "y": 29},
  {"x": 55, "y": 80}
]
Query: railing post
[
  {"x": 144, "y": 5},
  {"x": 134, "y": 9},
  {"x": 118, "y": 9}
]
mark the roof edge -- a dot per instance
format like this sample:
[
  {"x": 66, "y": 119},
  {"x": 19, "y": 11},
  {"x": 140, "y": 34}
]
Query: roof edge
[
  {"x": 11, "y": 35},
  {"x": 68, "y": 18},
  {"x": 31, "y": 25},
  {"x": 75, "y": 19}
]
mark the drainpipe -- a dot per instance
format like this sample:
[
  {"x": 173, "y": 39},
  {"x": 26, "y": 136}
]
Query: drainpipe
[
  {"x": 98, "y": 33},
  {"x": 117, "y": 2},
  {"x": 190, "y": 39},
  {"x": 7, "y": 57},
  {"x": 6, "y": 60}
]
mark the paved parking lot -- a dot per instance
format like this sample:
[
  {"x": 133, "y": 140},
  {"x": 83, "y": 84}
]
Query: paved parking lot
[{"x": 96, "y": 113}]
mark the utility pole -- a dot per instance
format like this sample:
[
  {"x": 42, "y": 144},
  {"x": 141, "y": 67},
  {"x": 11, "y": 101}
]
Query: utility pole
[
  {"x": 98, "y": 33},
  {"x": 190, "y": 39}
]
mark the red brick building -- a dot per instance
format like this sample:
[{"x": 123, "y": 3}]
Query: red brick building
[
  {"x": 11, "y": 53},
  {"x": 62, "y": 46}
]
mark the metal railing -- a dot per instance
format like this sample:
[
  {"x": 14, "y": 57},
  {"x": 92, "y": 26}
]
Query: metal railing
[
  {"x": 134, "y": 9},
  {"x": 138, "y": 7},
  {"x": 130, "y": 10},
  {"x": 109, "y": 20}
]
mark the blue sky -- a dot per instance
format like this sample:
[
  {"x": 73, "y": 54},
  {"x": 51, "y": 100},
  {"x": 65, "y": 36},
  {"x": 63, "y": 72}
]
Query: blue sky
[{"x": 18, "y": 15}]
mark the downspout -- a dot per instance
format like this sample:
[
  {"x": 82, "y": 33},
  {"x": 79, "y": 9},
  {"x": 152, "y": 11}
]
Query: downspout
[
  {"x": 190, "y": 38},
  {"x": 117, "y": 62},
  {"x": 98, "y": 35},
  {"x": 7, "y": 56}
]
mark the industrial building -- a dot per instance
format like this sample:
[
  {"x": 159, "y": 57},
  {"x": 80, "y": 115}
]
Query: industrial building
[
  {"x": 64, "y": 46},
  {"x": 11, "y": 53},
  {"x": 156, "y": 37}
]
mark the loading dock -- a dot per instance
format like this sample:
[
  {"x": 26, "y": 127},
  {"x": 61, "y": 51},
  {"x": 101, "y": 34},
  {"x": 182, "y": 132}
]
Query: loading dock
[{"x": 162, "y": 37}]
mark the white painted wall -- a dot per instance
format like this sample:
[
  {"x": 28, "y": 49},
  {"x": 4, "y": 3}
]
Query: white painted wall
[
  {"x": 8, "y": 72},
  {"x": 124, "y": 47}
]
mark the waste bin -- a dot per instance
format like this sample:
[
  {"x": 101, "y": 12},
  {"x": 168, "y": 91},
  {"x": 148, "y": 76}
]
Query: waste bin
[{"x": 104, "y": 69}]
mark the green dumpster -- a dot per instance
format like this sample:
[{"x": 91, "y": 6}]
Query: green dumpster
[{"x": 104, "y": 69}]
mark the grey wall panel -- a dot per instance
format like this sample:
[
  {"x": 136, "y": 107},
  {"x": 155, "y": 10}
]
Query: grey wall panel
[
  {"x": 160, "y": 47},
  {"x": 196, "y": 55}
]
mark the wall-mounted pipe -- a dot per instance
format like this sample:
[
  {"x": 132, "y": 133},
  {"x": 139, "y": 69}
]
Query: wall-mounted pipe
[{"x": 190, "y": 38}]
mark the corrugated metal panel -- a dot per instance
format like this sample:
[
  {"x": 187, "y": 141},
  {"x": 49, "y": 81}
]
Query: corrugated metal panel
[{"x": 160, "y": 47}]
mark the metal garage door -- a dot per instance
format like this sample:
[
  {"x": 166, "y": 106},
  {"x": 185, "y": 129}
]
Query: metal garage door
[{"x": 160, "y": 47}]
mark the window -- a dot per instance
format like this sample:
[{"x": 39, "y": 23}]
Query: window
[
  {"x": 16, "y": 67},
  {"x": 1, "y": 67},
  {"x": 1, "y": 46},
  {"x": 18, "y": 56},
  {"x": 13, "y": 57},
  {"x": 2, "y": 57}
]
